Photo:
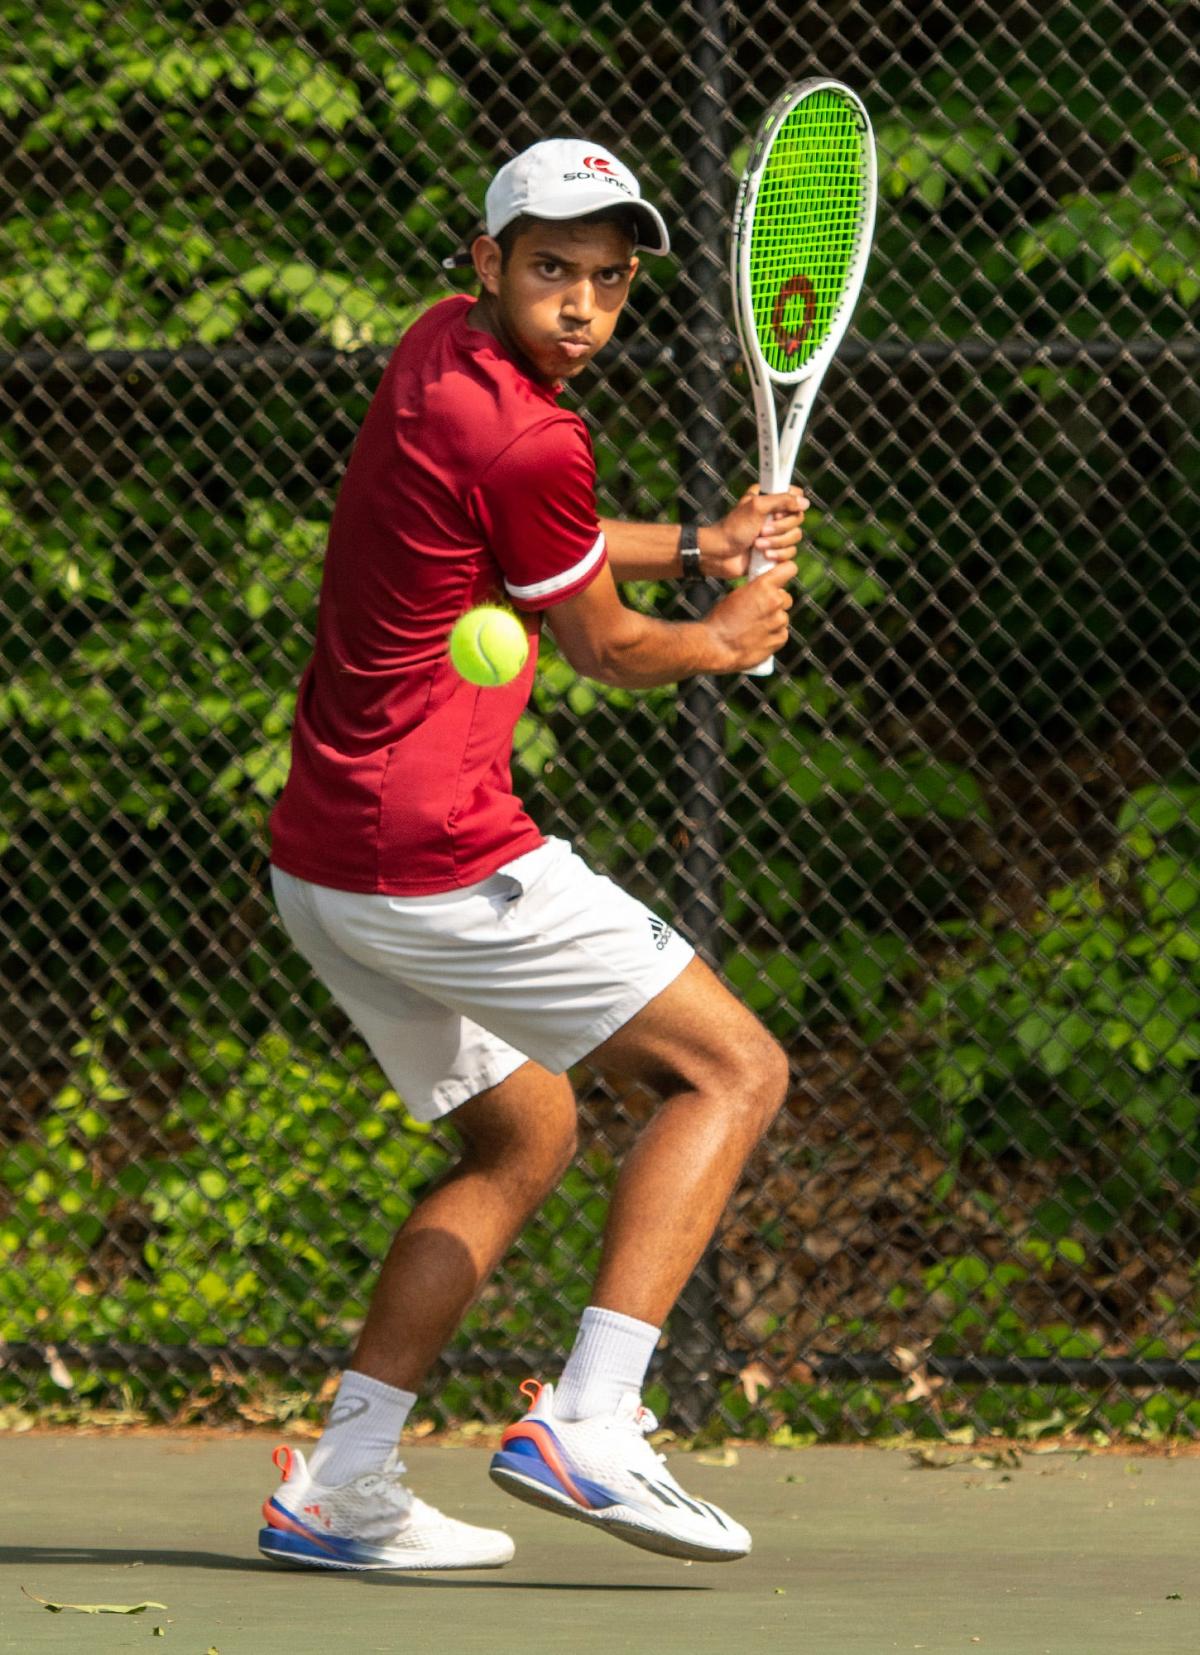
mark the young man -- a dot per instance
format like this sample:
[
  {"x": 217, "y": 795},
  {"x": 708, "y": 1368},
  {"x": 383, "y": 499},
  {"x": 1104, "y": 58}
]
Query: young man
[{"x": 478, "y": 959}]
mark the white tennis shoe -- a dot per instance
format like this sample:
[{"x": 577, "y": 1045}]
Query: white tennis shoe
[
  {"x": 603, "y": 1471},
  {"x": 372, "y": 1522}
]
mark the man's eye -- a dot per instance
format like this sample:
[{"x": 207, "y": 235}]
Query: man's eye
[{"x": 548, "y": 268}]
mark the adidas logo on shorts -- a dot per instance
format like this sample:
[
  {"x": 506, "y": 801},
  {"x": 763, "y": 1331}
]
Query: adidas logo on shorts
[{"x": 661, "y": 931}]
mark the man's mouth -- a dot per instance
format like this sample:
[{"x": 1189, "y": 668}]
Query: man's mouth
[{"x": 574, "y": 346}]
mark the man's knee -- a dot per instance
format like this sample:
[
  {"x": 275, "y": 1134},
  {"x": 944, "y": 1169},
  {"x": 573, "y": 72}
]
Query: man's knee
[
  {"x": 761, "y": 1075},
  {"x": 745, "y": 1066},
  {"x": 747, "y": 1074},
  {"x": 698, "y": 1037}
]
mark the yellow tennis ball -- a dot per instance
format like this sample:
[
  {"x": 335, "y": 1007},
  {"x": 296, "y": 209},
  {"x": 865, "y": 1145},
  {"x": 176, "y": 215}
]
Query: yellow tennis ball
[{"x": 488, "y": 645}]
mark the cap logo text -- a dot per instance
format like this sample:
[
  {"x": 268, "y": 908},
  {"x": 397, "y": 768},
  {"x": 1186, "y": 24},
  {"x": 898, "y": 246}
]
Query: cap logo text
[{"x": 599, "y": 178}]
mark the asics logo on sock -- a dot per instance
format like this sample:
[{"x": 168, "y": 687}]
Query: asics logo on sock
[
  {"x": 660, "y": 931},
  {"x": 343, "y": 1412}
]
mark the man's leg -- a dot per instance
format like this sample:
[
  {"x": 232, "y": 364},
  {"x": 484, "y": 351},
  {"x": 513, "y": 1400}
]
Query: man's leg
[
  {"x": 722, "y": 1078},
  {"x": 581, "y": 1449},
  {"x": 518, "y": 1140}
]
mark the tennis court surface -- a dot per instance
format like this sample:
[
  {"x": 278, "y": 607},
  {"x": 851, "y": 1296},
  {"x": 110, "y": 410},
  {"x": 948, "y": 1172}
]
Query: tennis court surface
[{"x": 857, "y": 1552}]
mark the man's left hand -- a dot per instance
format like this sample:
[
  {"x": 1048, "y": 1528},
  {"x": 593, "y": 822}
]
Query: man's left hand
[{"x": 766, "y": 523}]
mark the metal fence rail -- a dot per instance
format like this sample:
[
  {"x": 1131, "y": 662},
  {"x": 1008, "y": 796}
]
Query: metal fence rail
[{"x": 951, "y": 853}]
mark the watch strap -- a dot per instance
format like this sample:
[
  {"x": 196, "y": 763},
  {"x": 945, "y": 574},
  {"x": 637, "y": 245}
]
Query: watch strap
[{"x": 689, "y": 551}]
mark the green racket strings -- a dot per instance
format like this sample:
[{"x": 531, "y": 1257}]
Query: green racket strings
[{"x": 806, "y": 227}]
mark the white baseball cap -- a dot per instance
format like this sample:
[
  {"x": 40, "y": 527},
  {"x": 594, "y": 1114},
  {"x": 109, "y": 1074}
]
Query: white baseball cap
[{"x": 562, "y": 178}]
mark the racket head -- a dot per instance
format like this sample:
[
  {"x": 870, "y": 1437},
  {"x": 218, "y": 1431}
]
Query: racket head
[{"x": 803, "y": 224}]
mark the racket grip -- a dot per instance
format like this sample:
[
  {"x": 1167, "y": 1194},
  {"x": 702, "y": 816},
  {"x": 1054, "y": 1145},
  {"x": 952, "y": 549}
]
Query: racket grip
[{"x": 764, "y": 669}]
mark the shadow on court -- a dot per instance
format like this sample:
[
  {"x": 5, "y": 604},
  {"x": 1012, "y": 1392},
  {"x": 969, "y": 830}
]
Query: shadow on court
[{"x": 857, "y": 1552}]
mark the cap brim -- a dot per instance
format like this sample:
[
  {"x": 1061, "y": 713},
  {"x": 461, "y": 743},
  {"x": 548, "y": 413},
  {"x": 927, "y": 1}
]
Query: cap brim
[{"x": 653, "y": 237}]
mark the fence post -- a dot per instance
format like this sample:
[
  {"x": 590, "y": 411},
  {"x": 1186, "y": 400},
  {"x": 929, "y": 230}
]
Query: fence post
[{"x": 695, "y": 1334}]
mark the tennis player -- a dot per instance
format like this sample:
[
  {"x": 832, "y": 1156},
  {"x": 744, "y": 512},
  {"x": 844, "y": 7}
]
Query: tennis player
[{"x": 477, "y": 958}]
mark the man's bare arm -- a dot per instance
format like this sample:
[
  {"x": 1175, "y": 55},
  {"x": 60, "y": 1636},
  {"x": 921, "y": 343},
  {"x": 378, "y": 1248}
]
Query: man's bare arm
[
  {"x": 650, "y": 551},
  {"x": 604, "y": 640},
  {"x": 643, "y": 551}
]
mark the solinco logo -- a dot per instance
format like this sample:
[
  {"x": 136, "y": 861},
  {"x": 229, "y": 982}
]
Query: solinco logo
[
  {"x": 599, "y": 170},
  {"x": 661, "y": 931}
]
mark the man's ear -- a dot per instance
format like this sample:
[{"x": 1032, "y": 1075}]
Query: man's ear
[{"x": 485, "y": 255}]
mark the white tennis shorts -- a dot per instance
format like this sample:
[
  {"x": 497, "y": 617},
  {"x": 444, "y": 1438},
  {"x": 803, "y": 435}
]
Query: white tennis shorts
[{"x": 452, "y": 993}]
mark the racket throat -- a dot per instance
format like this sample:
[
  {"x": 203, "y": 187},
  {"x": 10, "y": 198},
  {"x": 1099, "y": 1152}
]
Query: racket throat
[{"x": 792, "y": 434}]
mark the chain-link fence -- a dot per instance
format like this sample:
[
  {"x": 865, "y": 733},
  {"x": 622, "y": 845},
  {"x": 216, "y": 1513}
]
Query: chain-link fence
[{"x": 950, "y": 853}]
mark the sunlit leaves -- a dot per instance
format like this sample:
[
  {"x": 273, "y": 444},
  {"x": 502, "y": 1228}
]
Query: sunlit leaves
[
  {"x": 286, "y": 83},
  {"x": 1145, "y": 234},
  {"x": 340, "y": 307},
  {"x": 113, "y": 268},
  {"x": 928, "y": 154},
  {"x": 271, "y": 1160}
]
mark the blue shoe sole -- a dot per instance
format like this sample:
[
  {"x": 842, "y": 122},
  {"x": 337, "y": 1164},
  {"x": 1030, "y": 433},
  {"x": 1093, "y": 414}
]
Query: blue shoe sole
[
  {"x": 527, "y": 1466},
  {"x": 532, "y": 1481},
  {"x": 293, "y": 1549}
]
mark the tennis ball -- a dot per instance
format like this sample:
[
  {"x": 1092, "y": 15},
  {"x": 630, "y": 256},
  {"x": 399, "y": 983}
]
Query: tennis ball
[{"x": 488, "y": 645}]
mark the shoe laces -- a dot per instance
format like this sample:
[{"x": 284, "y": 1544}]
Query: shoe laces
[
  {"x": 388, "y": 1484},
  {"x": 637, "y": 1417}
]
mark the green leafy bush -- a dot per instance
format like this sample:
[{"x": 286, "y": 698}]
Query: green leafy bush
[
  {"x": 1080, "y": 1033},
  {"x": 260, "y": 1217},
  {"x": 264, "y": 1224},
  {"x": 1144, "y": 233},
  {"x": 989, "y": 545}
]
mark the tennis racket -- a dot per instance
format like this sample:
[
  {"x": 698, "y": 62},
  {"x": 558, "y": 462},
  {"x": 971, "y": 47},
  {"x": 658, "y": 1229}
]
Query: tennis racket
[{"x": 802, "y": 232}]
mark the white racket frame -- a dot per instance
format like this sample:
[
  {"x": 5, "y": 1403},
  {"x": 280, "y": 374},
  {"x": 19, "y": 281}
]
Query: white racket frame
[{"x": 778, "y": 447}]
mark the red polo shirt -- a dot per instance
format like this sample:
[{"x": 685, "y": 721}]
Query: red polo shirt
[{"x": 467, "y": 483}]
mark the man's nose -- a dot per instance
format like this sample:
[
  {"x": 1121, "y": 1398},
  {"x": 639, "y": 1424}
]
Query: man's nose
[{"x": 579, "y": 301}]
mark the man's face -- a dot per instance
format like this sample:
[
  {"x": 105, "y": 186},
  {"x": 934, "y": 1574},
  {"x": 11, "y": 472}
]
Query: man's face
[{"x": 559, "y": 295}]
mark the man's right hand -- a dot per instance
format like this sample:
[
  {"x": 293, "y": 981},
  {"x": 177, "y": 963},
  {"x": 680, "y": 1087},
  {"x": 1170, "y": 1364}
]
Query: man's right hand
[{"x": 751, "y": 622}]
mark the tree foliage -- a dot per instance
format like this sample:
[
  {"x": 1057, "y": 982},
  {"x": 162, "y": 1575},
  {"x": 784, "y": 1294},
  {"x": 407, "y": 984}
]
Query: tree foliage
[{"x": 217, "y": 219}]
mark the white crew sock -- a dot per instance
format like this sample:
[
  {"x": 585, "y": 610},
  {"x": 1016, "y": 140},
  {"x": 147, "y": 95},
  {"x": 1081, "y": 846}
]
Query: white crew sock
[
  {"x": 362, "y": 1428},
  {"x": 610, "y": 1356}
]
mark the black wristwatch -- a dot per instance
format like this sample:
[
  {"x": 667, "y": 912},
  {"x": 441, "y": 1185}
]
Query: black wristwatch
[{"x": 689, "y": 551}]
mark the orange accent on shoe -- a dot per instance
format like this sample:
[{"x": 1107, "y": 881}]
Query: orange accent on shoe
[
  {"x": 549, "y": 1451},
  {"x": 530, "y": 1389},
  {"x": 277, "y": 1519},
  {"x": 284, "y": 1464}
]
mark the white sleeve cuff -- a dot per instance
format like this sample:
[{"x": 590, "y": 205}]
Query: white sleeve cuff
[{"x": 559, "y": 583}]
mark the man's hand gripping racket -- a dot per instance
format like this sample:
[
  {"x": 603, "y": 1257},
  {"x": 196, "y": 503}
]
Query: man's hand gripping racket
[{"x": 802, "y": 233}]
